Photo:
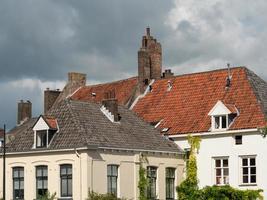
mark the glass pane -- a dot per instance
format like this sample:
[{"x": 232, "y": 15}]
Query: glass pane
[
  {"x": 39, "y": 171},
  {"x": 226, "y": 172},
  {"x": 218, "y": 163},
  {"x": 218, "y": 172},
  {"x": 245, "y": 179},
  {"x": 223, "y": 121},
  {"x": 253, "y": 170},
  {"x": 15, "y": 173},
  {"x": 63, "y": 170},
  {"x": 217, "y": 122},
  {"x": 245, "y": 170},
  {"x": 45, "y": 171},
  {"x": 253, "y": 179},
  {"x": 244, "y": 162},
  {"x": 21, "y": 172},
  {"x": 225, "y": 162},
  {"x": 45, "y": 184},
  {"x": 69, "y": 170},
  {"x": 39, "y": 184},
  {"x": 22, "y": 184},
  {"x": 16, "y": 184},
  {"x": 109, "y": 170},
  {"x": 64, "y": 187},
  {"x": 252, "y": 161},
  {"x": 70, "y": 187},
  {"x": 115, "y": 170},
  {"x": 225, "y": 180},
  {"x": 218, "y": 180},
  {"x": 109, "y": 184}
]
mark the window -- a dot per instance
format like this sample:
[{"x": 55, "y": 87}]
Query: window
[
  {"x": 249, "y": 170},
  {"x": 220, "y": 122},
  {"x": 66, "y": 180},
  {"x": 170, "y": 186},
  {"x": 18, "y": 183},
  {"x": 221, "y": 171},
  {"x": 44, "y": 137},
  {"x": 152, "y": 180},
  {"x": 238, "y": 139},
  {"x": 41, "y": 180},
  {"x": 41, "y": 139},
  {"x": 112, "y": 175}
]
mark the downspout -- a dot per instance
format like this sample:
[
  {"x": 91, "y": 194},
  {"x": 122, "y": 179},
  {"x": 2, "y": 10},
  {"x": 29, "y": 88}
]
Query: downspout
[{"x": 79, "y": 156}]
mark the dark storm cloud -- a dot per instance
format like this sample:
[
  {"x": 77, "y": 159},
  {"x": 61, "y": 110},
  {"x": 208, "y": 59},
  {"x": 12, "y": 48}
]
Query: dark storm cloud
[
  {"x": 42, "y": 40},
  {"x": 46, "y": 39}
]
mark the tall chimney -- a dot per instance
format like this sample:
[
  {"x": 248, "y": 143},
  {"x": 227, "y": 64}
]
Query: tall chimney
[
  {"x": 24, "y": 111},
  {"x": 149, "y": 60},
  {"x": 111, "y": 104},
  {"x": 50, "y": 96}
]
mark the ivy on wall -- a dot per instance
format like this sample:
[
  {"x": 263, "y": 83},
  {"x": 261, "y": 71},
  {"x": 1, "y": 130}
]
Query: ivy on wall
[{"x": 143, "y": 182}]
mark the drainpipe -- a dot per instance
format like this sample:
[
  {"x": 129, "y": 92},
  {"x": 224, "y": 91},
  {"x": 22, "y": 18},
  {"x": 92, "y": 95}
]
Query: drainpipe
[{"x": 79, "y": 156}]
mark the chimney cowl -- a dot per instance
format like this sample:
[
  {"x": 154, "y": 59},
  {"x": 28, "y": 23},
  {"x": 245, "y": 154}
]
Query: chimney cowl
[{"x": 167, "y": 73}]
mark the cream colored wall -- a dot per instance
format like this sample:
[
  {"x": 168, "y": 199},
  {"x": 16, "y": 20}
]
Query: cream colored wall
[{"x": 90, "y": 171}]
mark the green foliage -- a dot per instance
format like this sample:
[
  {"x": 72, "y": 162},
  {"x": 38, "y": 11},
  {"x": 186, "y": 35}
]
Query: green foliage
[
  {"x": 143, "y": 182},
  {"x": 228, "y": 193},
  {"x": 95, "y": 196},
  {"x": 47, "y": 196},
  {"x": 264, "y": 131},
  {"x": 188, "y": 189}
]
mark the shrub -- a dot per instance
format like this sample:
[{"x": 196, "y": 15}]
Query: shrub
[
  {"x": 96, "y": 196},
  {"x": 47, "y": 196}
]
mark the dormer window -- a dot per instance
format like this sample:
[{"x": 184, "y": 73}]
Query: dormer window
[
  {"x": 44, "y": 131},
  {"x": 222, "y": 116}
]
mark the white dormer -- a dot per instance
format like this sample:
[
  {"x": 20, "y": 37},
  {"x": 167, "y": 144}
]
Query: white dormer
[
  {"x": 44, "y": 130},
  {"x": 222, "y": 116}
]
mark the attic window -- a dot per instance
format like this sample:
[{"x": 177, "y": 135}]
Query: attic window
[
  {"x": 222, "y": 116},
  {"x": 44, "y": 131}
]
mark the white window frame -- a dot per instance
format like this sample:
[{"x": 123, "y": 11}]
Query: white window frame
[
  {"x": 249, "y": 172},
  {"x": 220, "y": 122},
  {"x": 222, "y": 170}
]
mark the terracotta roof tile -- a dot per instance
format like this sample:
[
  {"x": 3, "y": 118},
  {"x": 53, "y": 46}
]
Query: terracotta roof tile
[
  {"x": 52, "y": 122},
  {"x": 185, "y": 108},
  {"x": 124, "y": 90}
]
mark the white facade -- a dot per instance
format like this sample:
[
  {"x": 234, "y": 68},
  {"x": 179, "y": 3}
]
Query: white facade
[{"x": 216, "y": 145}]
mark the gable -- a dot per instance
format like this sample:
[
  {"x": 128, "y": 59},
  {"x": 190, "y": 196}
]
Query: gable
[
  {"x": 40, "y": 124},
  {"x": 219, "y": 109}
]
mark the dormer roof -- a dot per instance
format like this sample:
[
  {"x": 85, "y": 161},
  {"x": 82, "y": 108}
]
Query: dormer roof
[
  {"x": 219, "y": 109},
  {"x": 45, "y": 123}
]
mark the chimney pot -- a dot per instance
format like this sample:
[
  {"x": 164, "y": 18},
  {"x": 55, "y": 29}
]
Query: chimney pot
[{"x": 148, "y": 31}]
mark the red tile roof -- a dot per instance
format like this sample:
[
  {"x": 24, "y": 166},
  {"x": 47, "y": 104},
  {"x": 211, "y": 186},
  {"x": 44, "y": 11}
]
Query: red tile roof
[
  {"x": 124, "y": 90},
  {"x": 185, "y": 108},
  {"x": 52, "y": 122}
]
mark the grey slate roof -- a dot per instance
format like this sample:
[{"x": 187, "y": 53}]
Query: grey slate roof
[
  {"x": 260, "y": 89},
  {"x": 82, "y": 124}
]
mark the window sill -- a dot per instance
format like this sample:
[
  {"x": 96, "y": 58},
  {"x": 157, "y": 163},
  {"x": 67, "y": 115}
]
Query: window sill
[
  {"x": 248, "y": 184},
  {"x": 65, "y": 198}
]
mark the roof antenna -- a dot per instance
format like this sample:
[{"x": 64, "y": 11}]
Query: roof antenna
[{"x": 229, "y": 77}]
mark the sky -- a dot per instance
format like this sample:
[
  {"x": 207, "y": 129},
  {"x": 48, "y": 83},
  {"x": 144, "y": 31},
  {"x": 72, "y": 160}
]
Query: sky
[{"x": 41, "y": 41}]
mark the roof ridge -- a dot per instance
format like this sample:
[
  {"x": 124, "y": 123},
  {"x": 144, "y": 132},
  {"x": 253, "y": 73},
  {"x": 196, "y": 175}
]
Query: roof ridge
[
  {"x": 208, "y": 71},
  {"x": 118, "y": 81}
]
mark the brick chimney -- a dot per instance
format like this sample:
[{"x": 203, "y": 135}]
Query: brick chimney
[
  {"x": 50, "y": 96},
  {"x": 111, "y": 104},
  {"x": 24, "y": 111},
  {"x": 149, "y": 60},
  {"x": 167, "y": 74}
]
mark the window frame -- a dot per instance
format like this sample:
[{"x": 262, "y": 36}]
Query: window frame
[
  {"x": 111, "y": 177},
  {"x": 222, "y": 172},
  {"x": 238, "y": 139},
  {"x": 170, "y": 193},
  {"x": 41, "y": 178},
  {"x": 153, "y": 191},
  {"x": 68, "y": 178},
  {"x": 249, "y": 166},
  {"x": 220, "y": 125},
  {"x": 20, "y": 179}
]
